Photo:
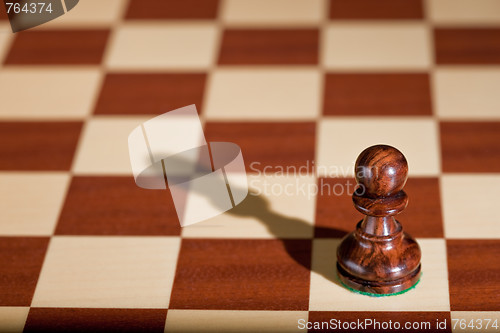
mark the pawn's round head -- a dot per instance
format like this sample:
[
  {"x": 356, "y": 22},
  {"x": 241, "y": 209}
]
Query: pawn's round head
[{"x": 381, "y": 170}]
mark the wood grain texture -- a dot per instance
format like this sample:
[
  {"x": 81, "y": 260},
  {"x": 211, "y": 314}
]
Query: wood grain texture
[
  {"x": 381, "y": 171},
  {"x": 271, "y": 144},
  {"x": 378, "y": 257},
  {"x": 467, "y": 46},
  {"x": 172, "y": 9},
  {"x": 128, "y": 93},
  {"x": 38, "y": 145},
  {"x": 3, "y": 14},
  {"x": 335, "y": 214},
  {"x": 116, "y": 206},
  {"x": 95, "y": 320},
  {"x": 474, "y": 274},
  {"x": 269, "y": 47},
  {"x": 377, "y": 94},
  {"x": 21, "y": 260},
  {"x": 125, "y": 270},
  {"x": 470, "y": 146},
  {"x": 423, "y": 216},
  {"x": 58, "y": 47},
  {"x": 242, "y": 274},
  {"x": 381, "y": 9}
]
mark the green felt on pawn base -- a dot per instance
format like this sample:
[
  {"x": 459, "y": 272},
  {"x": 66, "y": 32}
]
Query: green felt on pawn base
[{"x": 380, "y": 295}]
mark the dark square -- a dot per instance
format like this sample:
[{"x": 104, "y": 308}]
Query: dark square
[
  {"x": 95, "y": 320},
  {"x": 474, "y": 274},
  {"x": 116, "y": 206},
  {"x": 58, "y": 47},
  {"x": 21, "y": 259},
  {"x": 242, "y": 274},
  {"x": 3, "y": 12},
  {"x": 269, "y": 47},
  {"x": 422, "y": 217},
  {"x": 273, "y": 144},
  {"x": 172, "y": 9},
  {"x": 38, "y": 145},
  {"x": 470, "y": 146},
  {"x": 127, "y": 93},
  {"x": 455, "y": 46},
  {"x": 377, "y": 94},
  {"x": 379, "y": 321},
  {"x": 336, "y": 214},
  {"x": 380, "y": 9}
]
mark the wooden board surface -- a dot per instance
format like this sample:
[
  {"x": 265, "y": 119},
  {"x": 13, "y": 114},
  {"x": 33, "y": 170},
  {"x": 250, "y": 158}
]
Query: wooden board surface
[{"x": 303, "y": 84}]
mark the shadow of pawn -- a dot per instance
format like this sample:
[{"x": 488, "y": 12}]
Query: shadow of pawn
[{"x": 258, "y": 206}]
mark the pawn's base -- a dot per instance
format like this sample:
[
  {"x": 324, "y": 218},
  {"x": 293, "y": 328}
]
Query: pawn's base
[
  {"x": 379, "y": 288},
  {"x": 381, "y": 295}
]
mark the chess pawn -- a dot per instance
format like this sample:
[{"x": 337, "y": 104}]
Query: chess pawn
[{"x": 378, "y": 257}]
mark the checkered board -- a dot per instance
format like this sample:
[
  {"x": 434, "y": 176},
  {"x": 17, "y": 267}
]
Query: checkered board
[{"x": 295, "y": 83}]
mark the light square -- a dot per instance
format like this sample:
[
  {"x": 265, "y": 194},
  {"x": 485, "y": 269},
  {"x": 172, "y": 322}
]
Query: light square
[
  {"x": 264, "y": 94},
  {"x": 206, "y": 196},
  {"x": 163, "y": 46},
  {"x": 467, "y": 93},
  {"x": 30, "y": 202},
  {"x": 341, "y": 140},
  {"x": 276, "y": 207},
  {"x": 374, "y": 46},
  {"x": 5, "y": 40},
  {"x": 5, "y": 27},
  {"x": 104, "y": 146},
  {"x": 54, "y": 93},
  {"x": 273, "y": 12},
  {"x": 108, "y": 272},
  {"x": 464, "y": 12},
  {"x": 469, "y": 198},
  {"x": 12, "y": 319},
  {"x": 233, "y": 321},
  {"x": 460, "y": 321},
  {"x": 89, "y": 13},
  {"x": 431, "y": 294}
]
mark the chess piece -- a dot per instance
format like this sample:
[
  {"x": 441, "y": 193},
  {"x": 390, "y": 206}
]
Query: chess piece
[{"x": 378, "y": 257}]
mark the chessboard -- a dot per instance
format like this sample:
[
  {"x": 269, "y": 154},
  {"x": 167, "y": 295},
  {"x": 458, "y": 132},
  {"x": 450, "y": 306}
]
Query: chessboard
[{"x": 302, "y": 87}]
